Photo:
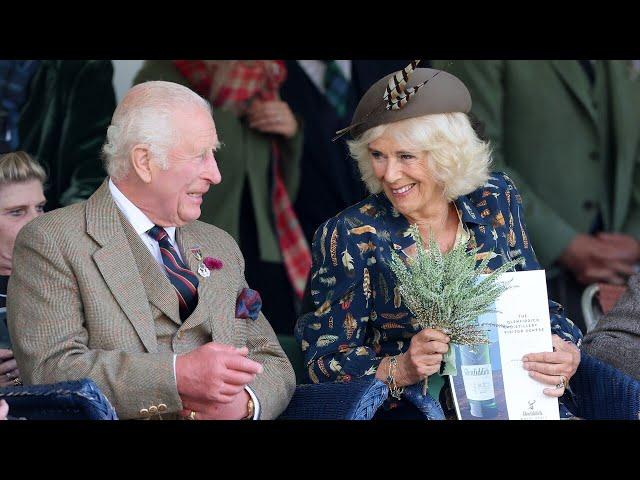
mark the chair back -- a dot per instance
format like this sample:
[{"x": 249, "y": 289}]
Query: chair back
[{"x": 76, "y": 400}]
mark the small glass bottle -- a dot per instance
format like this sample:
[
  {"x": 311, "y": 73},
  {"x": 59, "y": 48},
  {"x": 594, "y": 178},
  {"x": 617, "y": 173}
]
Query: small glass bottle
[{"x": 475, "y": 365}]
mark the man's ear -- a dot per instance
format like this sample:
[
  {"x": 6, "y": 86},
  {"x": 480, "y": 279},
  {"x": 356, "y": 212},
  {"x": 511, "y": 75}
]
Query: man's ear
[{"x": 140, "y": 158}]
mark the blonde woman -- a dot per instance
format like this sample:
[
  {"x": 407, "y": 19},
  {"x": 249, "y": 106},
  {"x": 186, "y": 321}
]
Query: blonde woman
[
  {"x": 21, "y": 200},
  {"x": 423, "y": 164}
]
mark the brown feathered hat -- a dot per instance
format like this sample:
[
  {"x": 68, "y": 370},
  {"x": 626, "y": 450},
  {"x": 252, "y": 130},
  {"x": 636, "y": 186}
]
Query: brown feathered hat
[{"x": 408, "y": 93}]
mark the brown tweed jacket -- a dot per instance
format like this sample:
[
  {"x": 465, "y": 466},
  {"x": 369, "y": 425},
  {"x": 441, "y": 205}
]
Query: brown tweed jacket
[
  {"x": 87, "y": 299},
  {"x": 616, "y": 337}
]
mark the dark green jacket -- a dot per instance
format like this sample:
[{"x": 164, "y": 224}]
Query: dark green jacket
[
  {"x": 64, "y": 124},
  {"x": 245, "y": 154},
  {"x": 549, "y": 131}
]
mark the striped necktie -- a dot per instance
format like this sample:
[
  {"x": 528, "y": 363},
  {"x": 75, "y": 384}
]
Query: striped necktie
[
  {"x": 183, "y": 280},
  {"x": 336, "y": 87}
]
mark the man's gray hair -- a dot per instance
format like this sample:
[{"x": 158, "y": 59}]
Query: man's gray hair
[{"x": 144, "y": 116}]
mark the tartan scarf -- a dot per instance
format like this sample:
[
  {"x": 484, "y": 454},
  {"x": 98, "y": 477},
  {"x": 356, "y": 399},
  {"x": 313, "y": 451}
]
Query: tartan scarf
[{"x": 244, "y": 82}]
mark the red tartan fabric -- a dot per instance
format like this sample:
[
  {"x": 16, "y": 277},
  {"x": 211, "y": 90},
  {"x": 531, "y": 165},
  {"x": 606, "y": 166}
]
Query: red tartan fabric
[
  {"x": 246, "y": 81},
  {"x": 197, "y": 72},
  {"x": 295, "y": 250}
]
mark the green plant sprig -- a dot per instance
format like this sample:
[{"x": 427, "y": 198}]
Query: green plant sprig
[{"x": 446, "y": 291}]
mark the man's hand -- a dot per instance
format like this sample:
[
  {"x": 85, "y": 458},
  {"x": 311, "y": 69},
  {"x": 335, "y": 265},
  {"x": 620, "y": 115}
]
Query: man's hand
[
  {"x": 214, "y": 373},
  {"x": 627, "y": 247},
  {"x": 8, "y": 368},
  {"x": 607, "y": 257},
  {"x": 234, "y": 410}
]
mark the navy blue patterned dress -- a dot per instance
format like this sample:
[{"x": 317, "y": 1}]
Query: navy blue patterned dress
[{"x": 360, "y": 317}]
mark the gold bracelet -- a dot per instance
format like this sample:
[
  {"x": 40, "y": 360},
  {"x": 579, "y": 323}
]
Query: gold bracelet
[{"x": 394, "y": 390}]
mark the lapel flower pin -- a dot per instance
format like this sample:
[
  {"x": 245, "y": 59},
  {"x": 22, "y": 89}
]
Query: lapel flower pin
[
  {"x": 207, "y": 264},
  {"x": 213, "y": 263}
]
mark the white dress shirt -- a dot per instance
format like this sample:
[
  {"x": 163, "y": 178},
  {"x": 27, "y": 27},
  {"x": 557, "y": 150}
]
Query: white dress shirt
[
  {"x": 141, "y": 224},
  {"x": 315, "y": 70}
]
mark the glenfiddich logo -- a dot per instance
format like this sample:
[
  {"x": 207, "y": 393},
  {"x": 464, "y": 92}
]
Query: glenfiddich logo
[
  {"x": 531, "y": 411},
  {"x": 476, "y": 371}
]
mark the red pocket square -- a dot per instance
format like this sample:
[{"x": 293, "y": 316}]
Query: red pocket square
[{"x": 248, "y": 304}]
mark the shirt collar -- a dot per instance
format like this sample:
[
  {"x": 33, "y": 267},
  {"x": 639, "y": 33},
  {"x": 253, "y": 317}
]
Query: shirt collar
[
  {"x": 398, "y": 225},
  {"x": 469, "y": 213},
  {"x": 136, "y": 217}
]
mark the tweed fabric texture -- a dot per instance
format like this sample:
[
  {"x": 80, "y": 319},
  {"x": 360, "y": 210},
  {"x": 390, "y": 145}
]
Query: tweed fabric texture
[{"x": 87, "y": 299}]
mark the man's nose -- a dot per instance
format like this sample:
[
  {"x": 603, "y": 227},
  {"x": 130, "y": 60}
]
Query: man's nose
[{"x": 212, "y": 173}]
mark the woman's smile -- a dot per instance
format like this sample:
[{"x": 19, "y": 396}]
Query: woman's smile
[{"x": 402, "y": 191}]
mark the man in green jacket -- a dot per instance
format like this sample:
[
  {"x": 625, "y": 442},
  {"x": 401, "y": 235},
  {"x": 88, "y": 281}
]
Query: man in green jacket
[{"x": 568, "y": 133}]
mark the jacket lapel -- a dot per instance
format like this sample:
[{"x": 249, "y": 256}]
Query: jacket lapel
[
  {"x": 576, "y": 82},
  {"x": 212, "y": 290},
  {"x": 159, "y": 290},
  {"x": 117, "y": 264}
]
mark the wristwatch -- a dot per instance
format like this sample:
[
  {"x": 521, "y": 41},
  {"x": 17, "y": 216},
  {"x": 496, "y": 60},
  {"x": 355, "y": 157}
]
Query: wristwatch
[{"x": 251, "y": 409}]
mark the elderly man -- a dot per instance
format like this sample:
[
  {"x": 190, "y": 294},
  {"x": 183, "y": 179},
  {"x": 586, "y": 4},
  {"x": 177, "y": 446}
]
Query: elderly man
[{"x": 130, "y": 290}]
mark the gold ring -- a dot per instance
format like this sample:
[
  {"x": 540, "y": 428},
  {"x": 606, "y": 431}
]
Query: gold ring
[
  {"x": 192, "y": 415},
  {"x": 17, "y": 382},
  {"x": 562, "y": 383}
]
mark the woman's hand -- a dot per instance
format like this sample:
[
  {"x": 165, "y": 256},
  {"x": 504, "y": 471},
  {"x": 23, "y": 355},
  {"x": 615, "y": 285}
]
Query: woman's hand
[
  {"x": 8, "y": 368},
  {"x": 423, "y": 358},
  {"x": 549, "y": 367},
  {"x": 272, "y": 117}
]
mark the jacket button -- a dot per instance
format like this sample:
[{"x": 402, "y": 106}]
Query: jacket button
[
  {"x": 588, "y": 205},
  {"x": 153, "y": 409},
  {"x": 144, "y": 413},
  {"x": 180, "y": 334},
  {"x": 162, "y": 408}
]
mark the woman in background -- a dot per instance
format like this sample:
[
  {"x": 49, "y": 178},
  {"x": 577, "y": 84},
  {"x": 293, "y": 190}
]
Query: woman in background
[{"x": 21, "y": 200}]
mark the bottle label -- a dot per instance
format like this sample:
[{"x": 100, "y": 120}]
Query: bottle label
[{"x": 478, "y": 382}]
